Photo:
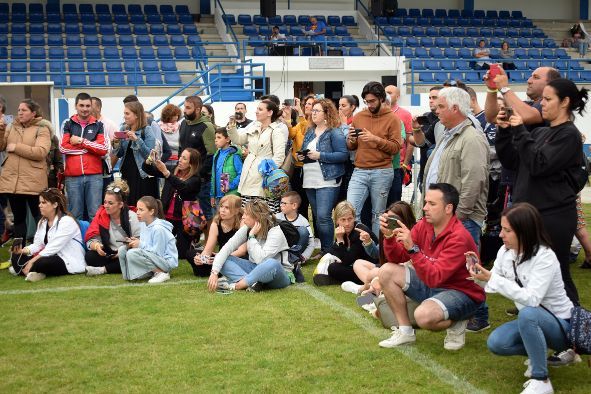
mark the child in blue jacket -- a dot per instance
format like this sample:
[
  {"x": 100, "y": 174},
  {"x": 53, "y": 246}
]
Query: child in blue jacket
[{"x": 227, "y": 167}]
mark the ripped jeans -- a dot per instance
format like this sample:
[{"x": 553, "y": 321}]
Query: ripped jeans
[{"x": 373, "y": 182}]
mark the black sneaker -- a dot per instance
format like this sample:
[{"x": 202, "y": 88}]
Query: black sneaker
[
  {"x": 256, "y": 287},
  {"x": 325, "y": 280},
  {"x": 476, "y": 325},
  {"x": 512, "y": 311},
  {"x": 586, "y": 265}
]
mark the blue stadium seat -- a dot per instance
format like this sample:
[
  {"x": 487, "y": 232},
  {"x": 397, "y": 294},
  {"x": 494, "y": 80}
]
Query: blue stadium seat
[
  {"x": 250, "y": 30},
  {"x": 517, "y": 14},
  {"x": 421, "y": 52},
  {"x": 523, "y": 42},
  {"x": 561, "y": 53},
  {"x": 517, "y": 76},
  {"x": 164, "y": 53},
  {"x": 168, "y": 65},
  {"x": 57, "y": 66},
  {"x": 469, "y": 42},
  {"x": 259, "y": 20},
  {"x": 126, "y": 41},
  {"x": 404, "y": 31},
  {"x": 441, "y": 42},
  {"x": 173, "y": 30},
  {"x": 426, "y": 42},
  {"x": 401, "y": 12},
  {"x": 573, "y": 65},
  {"x": 190, "y": 29},
  {"x": 503, "y": 22},
  {"x": 290, "y": 20},
  {"x": 453, "y": 13},
  {"x": 35, "y": 8},
  {"x": 140, "y": 29},
  {"x": 431, "y": 65},
  {"x": 131, "y": 66},
  {"x": 198, "y": 52},
  {"x": 446, "y": 64},
  {"x": 412, "y": 42},
  {"x": 303, "y": 20},
  {"x": 459, "y": 31},
  {"x": 414, "y": 12},
  {"x": 18, "y": 53},
  {"x": 534, "y": 53},
  {"x": 111, "y": 53},
  {"x": 407, "y": 52},
  {"x": 229, "y": 19},
  {"x": 18, "y": 28},
  {"x": 93, "y": 53},
  {"x": 533, "y": 64},
  {"x": 128, "y": 53},
  {"x": 436, "y": 53},
  {"x": 75, "y": 66},
  {"x": 135, "y": 79},
  {"x": 172, "y": 79},
  {"x": 492, "y": 14},
  {"x": 181, "y": 10},
  {"x": 341, "y": 31},
  {"x": 465, "y": 53},
  {"x": 161, "y": 41},
  {"x": 104, "y": 18},
  {"x": 418, "y": 31},
  {"x": 244, "y": 19},
  {"x": 408, "y": 21},
  {"x": 78, "y": 80},
  {"x": 118, "y": 9},
  {"x": 520, "y": 53},
  {"x": 166, "y": 9},
  {"x": 520, "y": 64},
  {"x": 37, "y": 40},
  {"x": 549, "y": 43},
  {"x": 527, "y": 33},
  {"x": 54, "y": 28},
  {"x": 432, "y": 31},
  {"x": 18, "y": 77},
  {"x": 504, "y": 14},
  {"x": 395, "y": 21},
  {"x": 450, "y": 53},
  {"x": 156, "y": 28},
  {"x": 445, "y": 31},
  {"x": 102, "y": 9},
  {"x": 89, "y": 28},
  {"x": 73, "y": 40},
  {"x": 465, "y": 22},
  {"x": 260, "y": 51},
  {"x": 56, "y": 53},
  {"x": 91, "y": 40},
  {"x": 193, "y": 40},
  {"x": 495, "y": 42},
  {"x": 97, "y": 79},
  {"x": 18, "y": 40},
  {"x": 499, "y": 32},
  {"x": 181, "y": 53},
  {"x": 396, "y": 41},
  {"x": 177, "y": 41},
  {"x": 538, "y": 33},
  {"x": 355, "y": 51},
  {"x": 472, "y": 32},
  {"x": 441, "y": 77},
  {"x": 74, "y": 53},
  {"x": 548, "y": 53},
  {"x": 417, "y": 64},
  {"x": 473, "y": 77},
  {"x": 108, "y": 40},
  {"x": 455, "y": 42},
  {"x": 423, "y": 21},
  {"x": 106, "y": 29},
  {"x": 142, "y": 40},
  {"x": 426, "y": 77},
  {"x": 113, "y": 66},
  {"x": 153, "y": 79},
  {"x": 149, "y": 9},
  {"x": 116, "y": 79},
  {"x": 441, "y": 13},
  {"x": 147, "y": 53},
  {"x": 36, "y": 53},
  {"x": 348, "y": 20},
  {"x": 72, "y": 28},
  {"x": 334, "y": 20},
  {"x": 94, "y": 66},
  {"x": 266, "y": 31},
  {"x": 123, "y": 29}
]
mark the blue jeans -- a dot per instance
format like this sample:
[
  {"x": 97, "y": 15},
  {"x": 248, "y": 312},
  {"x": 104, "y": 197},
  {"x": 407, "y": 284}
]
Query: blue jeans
[
  {"x": 270, "y": 272},
  {"x": 375, "y": 183},
  {"x": 456, "y": 305},
  {"x": 534, "y": 331},
  {"x": 84, "y": 191},
  {"x": 204, "y": 200},
  {"x": 303, "y": 241},
  {"x": 395, "y": 193},
  {"x": 475, "y": 231},
  {"x": 322, "y": 201}
]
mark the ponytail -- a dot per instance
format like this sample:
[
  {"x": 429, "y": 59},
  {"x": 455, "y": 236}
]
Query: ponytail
[
  {"x": 579, "y": 106},
  {"x": 155, "y": 204}
]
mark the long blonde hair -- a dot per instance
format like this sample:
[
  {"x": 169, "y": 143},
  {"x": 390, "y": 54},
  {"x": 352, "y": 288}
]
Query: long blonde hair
[
  {"x": 260, "y": 212},
  {"x": 234, "y": 203}
]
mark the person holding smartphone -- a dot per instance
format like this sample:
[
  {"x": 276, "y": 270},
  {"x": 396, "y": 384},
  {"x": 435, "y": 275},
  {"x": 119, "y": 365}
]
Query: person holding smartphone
[
  {"x": 113, "y": 224},
  {"x": 527, "y": 272}
]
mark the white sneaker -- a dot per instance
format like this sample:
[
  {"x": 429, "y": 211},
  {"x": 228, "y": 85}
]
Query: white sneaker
[
  {"x": 223, "y": 284},
  {"x": 369, "y": 307},
  {"x": 534, "y": 386},
  {"x": 94, "y": 271},
  {"x": 317, "y": 243},
  {"x": 35, "y": 277},
  {"x": 456, "y": 336},
  {"x": 398, "y": 338},
  {"x": 566, "y": 357},
  {"x": 12, "y": 271},
  {"x": 160, "y": 277},
  {"x": 351, "y": 287},
  {"x": 527, "y": 372}
]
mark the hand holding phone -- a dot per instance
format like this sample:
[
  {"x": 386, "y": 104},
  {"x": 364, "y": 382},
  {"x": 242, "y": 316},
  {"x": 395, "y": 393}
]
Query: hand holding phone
[
  {"x": 17, "y": 245},
  {"x": 422, "y": 120},
  {"x": 122, "y": 135},
  {"x": 393, "y": 221},
  {"x": 471, "y": 261},
  {"x": 508, "y": 113}
]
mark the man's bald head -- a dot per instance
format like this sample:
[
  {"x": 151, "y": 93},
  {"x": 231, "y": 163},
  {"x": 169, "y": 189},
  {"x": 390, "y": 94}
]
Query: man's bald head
[
  {"x": 539, "y": 79},
  {"x": 394, "y": 93}
]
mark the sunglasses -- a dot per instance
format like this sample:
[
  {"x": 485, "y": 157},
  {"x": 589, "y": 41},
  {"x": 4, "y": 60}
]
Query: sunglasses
[{"x": 114, "y": 189}]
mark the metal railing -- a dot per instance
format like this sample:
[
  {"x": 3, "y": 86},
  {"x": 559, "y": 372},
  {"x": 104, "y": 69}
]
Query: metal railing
[
  {"x": 228, "y": 26},
  {"x": 323, "y": 44}
]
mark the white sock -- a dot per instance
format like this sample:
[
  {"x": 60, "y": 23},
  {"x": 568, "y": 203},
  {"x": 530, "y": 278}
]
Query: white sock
[{"x": 407, "y": 330}]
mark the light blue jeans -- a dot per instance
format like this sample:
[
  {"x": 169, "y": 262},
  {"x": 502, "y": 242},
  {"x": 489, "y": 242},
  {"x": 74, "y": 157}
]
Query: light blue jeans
[
  {"x": 322, "y": 201},
  {"x": 84, "y": 191},
  {"x": 531, "y": 335},
  {"x": 270, "y": 272},
  {"x": 476, "y": 231},
  {"x": 374, "y": 183}
]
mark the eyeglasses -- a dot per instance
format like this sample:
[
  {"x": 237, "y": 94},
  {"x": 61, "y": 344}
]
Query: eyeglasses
[
  {"x": 114, "y": 189},
  {"x": 284, "y": 203},
  {"x": 316, "y": 111},
  {"x": 372, "y": 101},
  {"x": 433, "y": 97}
]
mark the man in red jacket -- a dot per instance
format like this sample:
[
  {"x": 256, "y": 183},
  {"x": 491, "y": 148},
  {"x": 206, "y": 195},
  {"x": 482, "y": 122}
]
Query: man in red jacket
[
  {"x": 83, "y": 145},
  {"x": 436, "y": 246}
]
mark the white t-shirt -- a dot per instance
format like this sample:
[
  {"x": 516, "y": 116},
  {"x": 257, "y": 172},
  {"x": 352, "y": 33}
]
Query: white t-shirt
[{"x": 313, "y": 178}]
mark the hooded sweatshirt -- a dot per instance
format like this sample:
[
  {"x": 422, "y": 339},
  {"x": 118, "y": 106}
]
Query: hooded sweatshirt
[
  {"x": 228, "y": 161},
  {"x": 387, "y": 127},
  {"x": 157, "y": 238},
  {"x": 199, "y": 134}
]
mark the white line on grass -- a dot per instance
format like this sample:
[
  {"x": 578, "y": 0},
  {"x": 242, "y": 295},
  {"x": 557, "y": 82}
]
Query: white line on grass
[
  {"x": 410, "y": 352},
  {"x": 72, "y": 288}
]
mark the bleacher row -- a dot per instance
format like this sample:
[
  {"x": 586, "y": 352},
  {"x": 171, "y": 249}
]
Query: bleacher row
[
  {"x": 288, "y": 20},
  {"x": 469, "y": 42},
  {"x": 118, "y": 13},
  {"x": 466, "y": 53},
  {"x": 443, "y": 32},
  {"x": 454, "y": 14},
  {"x": 450, "y": 22}
]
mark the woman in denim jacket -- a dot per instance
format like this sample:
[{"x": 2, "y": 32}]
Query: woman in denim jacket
[
  {"x": 324, "y": 152},
  {"x": 134, "y": 149}
]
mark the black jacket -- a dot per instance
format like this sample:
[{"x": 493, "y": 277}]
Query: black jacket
[
  {"x": 199, "y": 134},
  {"x": 352, "y": 249},
  {"x": 185, "y": 190},
  {"x": 541, "y": 159}
]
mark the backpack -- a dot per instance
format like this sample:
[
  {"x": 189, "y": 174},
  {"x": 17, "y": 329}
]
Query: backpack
[
  {"x": 292, "y": 236},
  {"x": 83, "y": 224},
  {"x": 275, "y": 180}
]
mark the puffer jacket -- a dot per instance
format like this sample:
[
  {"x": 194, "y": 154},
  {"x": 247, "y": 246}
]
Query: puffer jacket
[{"x": 25, "y": 170}]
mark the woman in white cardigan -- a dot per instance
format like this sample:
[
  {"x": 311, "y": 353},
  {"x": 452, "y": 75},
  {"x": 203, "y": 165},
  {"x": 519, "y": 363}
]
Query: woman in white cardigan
[
  {"x": 265, "y": 139},
  {"x": 267, "y": 266},
  {"x": 527, "y": 272},
  {"x": 57, "y": 248}
]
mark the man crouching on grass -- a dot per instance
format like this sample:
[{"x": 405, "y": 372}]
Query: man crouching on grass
[{"x": 436, "y": 246}]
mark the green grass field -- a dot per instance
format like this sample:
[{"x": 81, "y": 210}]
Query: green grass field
[{"x": 100, "y": 334}]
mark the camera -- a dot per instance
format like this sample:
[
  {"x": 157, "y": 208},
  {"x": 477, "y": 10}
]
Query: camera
[{"x": 393, "y": 222}]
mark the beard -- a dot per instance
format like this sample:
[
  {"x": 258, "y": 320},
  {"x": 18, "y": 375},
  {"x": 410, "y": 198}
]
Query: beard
[
  {"x": 192, "y": 116},
  {"x": 376, "y": 109}
]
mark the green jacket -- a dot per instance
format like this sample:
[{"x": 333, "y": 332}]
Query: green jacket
[{"x": 226, "y": 161}]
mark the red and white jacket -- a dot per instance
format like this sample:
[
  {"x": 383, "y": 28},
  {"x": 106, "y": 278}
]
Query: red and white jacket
[{"x": 86, "y": 158}]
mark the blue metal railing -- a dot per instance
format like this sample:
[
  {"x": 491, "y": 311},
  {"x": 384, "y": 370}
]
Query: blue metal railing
[
  {"x": 307, "y": 42},
  {"x": 379, "y": 30},
  {"x": 228, "y": 26}
]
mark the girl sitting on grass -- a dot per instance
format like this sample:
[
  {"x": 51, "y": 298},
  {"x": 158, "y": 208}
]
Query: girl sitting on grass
[
  {"x": 368, "y": 271},
  {"x": 267, "y": 265},
  {"x": 57, "y": 248},
  {"x": 223, "y": 227},
  {"x": 155, "y": 252}
]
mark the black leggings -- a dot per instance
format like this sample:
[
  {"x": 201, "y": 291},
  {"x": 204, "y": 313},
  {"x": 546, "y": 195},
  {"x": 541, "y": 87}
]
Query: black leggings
[
  {"x": 343, "y": 273},
  {"x": 202, "y": 270},
  {"x": 48, "y": 265},
  {"x": 183, "y": 240},
  {"x": 18, "y": 204},
  {"x": 561, "y": 227},
  {"x": 96, "y": 260}
]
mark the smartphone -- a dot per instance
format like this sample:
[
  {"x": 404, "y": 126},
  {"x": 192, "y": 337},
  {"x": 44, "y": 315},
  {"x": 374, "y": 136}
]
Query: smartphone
[
  {"x": 17, "y": 243},
  {"x": 122, "y": 135},
  {"x": 303, "y": 152},
  {"x": 471, "y": 261},
  {"x": 357, "y": 131},
  {"x": 493, "y": 71},
  {"x": 288, "y": 102},
  {"x": 393, "y": 222},
  {"x": 508, "y": 112},
  {"x": 423, "y": 120},
  {"x": 154, "y": 155},
  {"x": 225, "y": 182},
  {"x": 237, "y": 115},
  {"x": 8, "y": 119}
]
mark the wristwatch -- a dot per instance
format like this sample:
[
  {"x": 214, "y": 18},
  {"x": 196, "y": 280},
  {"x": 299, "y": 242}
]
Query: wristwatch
[
  {"x": 504, "y": 89},
  {"x": 413, "y": 250}
]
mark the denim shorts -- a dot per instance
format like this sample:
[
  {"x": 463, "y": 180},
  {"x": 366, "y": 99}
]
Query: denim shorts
[{"x": 455, "y": 304}]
